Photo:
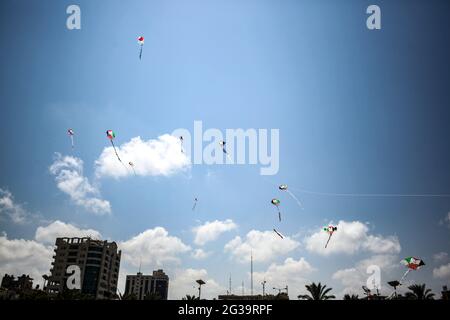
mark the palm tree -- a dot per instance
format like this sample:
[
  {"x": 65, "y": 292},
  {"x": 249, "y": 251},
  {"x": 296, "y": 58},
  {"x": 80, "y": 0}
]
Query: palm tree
[
  {"x": 351, "y": 297},
  {"x": 189, "y": 297},
  {"x": 129, "y": 296},
  {"x": 418, "y": 292},
  {"x": 317, "y": 291}
]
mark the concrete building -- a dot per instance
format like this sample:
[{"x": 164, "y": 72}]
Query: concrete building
[
  {"x": 99, "y": 263},
  {"x": 141, "y": 285}
]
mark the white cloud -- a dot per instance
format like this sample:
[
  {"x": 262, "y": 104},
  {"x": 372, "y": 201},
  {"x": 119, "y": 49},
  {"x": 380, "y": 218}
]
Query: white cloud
[
  {"x": 183, "y": 283},
  {"x": 57, "y": 229},
  {"x": 265, "y": 245},
  {"x": 200, "y": 254},
  {"x": 153, "y": 247},
  {"x": 69, "y": 177},
  {"x": 19, "y": 256},
  {"x": 350, "y": 238},
  {"x": 442, "y": 272},
  {"x": 160, "y": 157},
  {"x": 440, "y": 256},
  {"x": 292, "y": 272},
  {"x": 11, "y": 209},
  {"x": 352, "y": 279},
  {"x": 210, "y": 231}
]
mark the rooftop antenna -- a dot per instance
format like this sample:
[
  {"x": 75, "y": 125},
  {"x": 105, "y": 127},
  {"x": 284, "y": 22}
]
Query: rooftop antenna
[
  {"x": 140, "y": 264},
  {"x": 243, "y": 291},
  {"x": 367, "y": 292},
  {"x": 251, "y": 272},
  {"x": 264, "y": 287},
  {"x": 230, "y": 284}
]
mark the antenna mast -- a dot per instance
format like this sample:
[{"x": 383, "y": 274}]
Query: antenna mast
[{"x": 251, "y": 273}]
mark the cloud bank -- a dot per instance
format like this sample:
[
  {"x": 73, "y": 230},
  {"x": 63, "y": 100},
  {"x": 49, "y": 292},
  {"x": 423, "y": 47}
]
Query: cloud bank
[
  {"x": 265, "y": 245},
  {"x": 210, "y": 231},
  {"x": 352, "y": 237},
  {"x": 154, "y": 157},
  {"x": 68, "y": 172}
]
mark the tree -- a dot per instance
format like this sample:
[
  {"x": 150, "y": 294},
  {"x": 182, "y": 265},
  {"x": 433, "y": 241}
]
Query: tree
[
  {"x": 317, "y": 292},
  {"x": 73, "y": 294},
  {"x": 152, "y": 296},
  {"x": 419, "y": 292},
  {"x": 130, "y": 296},
  {"x": 189, "y": 297},
  {"x": 351, "y": 297}
]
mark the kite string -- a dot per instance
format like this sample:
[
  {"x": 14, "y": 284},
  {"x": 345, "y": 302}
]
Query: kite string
[
  {"x": 370, "y": 194},
  {"x": 335, "y": 194},
  {"x": 295, "y": 198}
]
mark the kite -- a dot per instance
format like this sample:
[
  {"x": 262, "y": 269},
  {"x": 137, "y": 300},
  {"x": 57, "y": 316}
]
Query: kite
[
  {"x": 195, "y": 204},
  {"x": 111, "y": 135},
  {"x": 279, "y": 234},
  {"x": 132, "y": 167},
  {"x": 330, "y": 230},
  {"x": 284, "y": 187},
  {"x": 70, "y": 132},
  {"x": 181, "y": 141},
  {"x": 141, "y": 42},
  {"x": 413, "y": 264},
  {"x": 276, "y": 203},
  {"x": 222, "y": 144}
]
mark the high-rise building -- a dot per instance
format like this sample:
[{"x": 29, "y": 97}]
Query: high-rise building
[
  {"x": 99, "y": 263},
  {"x": 141, "y": 285}
]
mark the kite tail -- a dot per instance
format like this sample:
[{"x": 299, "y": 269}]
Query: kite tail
[
  {"x": 226, "y": 153},
  {"x": 295, "y": 198},
  {"x": 328, "y": 240},
  {"x": 195, "y": 204},
  {"x": 71, "y": 139},
  {"x": 114, "y": 147},
  {"x": 279, "y": 214},
  {"x": 117, "y": 155},
  {"x": 279, "y": 234},
  {"x": 404, "y": 275},
  {"x": 140, "y": 53}
]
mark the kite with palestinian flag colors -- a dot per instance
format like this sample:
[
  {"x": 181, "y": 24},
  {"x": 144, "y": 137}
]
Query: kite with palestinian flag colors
[
  {"x": 330, "y": 230},
  {"x": 111, "y": 135},
  {"x": 413, "y": 264}
]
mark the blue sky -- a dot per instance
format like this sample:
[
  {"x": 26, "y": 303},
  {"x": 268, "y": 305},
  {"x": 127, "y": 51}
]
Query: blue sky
[{"x": 358, "y": 111}]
